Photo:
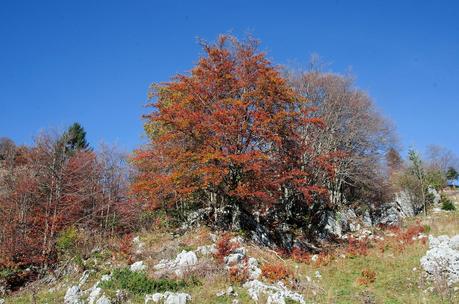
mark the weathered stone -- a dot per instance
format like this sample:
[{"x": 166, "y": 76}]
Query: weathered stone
[
  {"x": 103, "y": 300},
  {"x": 73, "y": 295},
  {"x": 182, "y": 262},
  {"x": 168, "y": 298},
  {"x": 442, "y": 259},
  {"x": 207, "y": 250},
  {"x": 276, "y": 294},
  {"x": 138, "y": 245},
  {"x": 94, "y": 295},
  {"x": 138, "y": 266},
  {"x": 84, "y": 277},
  {"x": 253, "y": 269},
  {"x": 435, "y": 195},
  {"x": 233, "y": 258}
]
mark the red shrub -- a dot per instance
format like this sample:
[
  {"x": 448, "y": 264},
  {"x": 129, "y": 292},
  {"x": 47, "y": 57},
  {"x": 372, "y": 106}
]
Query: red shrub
[
  {"x": 225, "y": 246},
  {"x": 125, "y": 246},
  {"x": 238, "y": 275},
  {"x": 367, "y": 277},
  {"x": 301, "y": 256},
  {"x": 275, "y": 272},
  {"x": 357, "y": 247}
]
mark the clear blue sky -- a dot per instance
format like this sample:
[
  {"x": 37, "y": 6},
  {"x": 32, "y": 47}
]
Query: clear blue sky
[{"x": 92, "y": 61}]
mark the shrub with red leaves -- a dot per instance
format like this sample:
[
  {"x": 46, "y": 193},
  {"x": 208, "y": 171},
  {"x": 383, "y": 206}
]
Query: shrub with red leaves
[
  {"x": 225, "y": 246},
  {"x": 275, "y": 272},
  {"x": 301, "y": 256},
  {"x": 367, "y": 277}
]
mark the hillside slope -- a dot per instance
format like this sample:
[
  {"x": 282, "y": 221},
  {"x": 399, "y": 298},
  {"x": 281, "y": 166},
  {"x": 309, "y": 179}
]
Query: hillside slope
[{"x": 375, "y": 266}]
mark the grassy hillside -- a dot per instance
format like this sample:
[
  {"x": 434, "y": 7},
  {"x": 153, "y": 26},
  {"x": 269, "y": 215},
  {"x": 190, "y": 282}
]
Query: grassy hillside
[{"x": 383, "y": 268}]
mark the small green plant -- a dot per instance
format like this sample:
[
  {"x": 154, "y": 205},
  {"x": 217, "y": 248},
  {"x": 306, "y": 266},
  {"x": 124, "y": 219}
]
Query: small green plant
[
  {"x": 67, "y": 239},
  {"x": 448, "y": 205},
  {"x": 427, "y": 229},
  {"x": 138, "y": 282},
  {"x": 5, "y": 272}
]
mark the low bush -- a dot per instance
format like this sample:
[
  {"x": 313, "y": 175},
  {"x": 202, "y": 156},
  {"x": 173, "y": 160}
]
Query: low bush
[
  {"x": 139, "y": 283},
  {"x": 367, "y": 277},
  {"x": 301, "y": 256},
  {"x": 447, "y": 204},
  {"x": 275, "y": 272},
  {"x": 225, "y": 246},
  {"x": 67, "y": 240}
]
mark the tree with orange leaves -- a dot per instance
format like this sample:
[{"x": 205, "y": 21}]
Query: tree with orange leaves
[{"x": 229, "y": 133}]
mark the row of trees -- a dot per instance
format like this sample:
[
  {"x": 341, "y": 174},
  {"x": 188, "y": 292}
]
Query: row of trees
[
  {"x": 57, "y": 183},
  {"x": 236, "y": 132}
]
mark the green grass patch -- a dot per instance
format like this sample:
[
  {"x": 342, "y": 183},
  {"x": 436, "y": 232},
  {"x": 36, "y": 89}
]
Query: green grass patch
[{"x": 139, "y": 283}]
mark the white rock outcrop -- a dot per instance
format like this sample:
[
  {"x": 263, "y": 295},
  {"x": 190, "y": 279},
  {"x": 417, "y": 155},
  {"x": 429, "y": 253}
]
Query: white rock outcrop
[
  {"x": 206, "y": 250},
  {"x": 138, "y": 245},
  {"x": 276, "y": 294},
  {"x": 73, "y": 295},
  {"x": 253, "y": 269},
  {"x": 183, "y": 261},
  {"x": 168, "y": 298},
  {"x": 103, "y": 300},
  {"x": 442, "y": 258},
  {"x": 138, "y": 266}
]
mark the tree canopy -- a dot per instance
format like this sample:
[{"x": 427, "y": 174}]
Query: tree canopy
[{"x": 232, "y": 131}]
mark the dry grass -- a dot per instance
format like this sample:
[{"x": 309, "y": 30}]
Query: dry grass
[{"x": 383, "y": 270}]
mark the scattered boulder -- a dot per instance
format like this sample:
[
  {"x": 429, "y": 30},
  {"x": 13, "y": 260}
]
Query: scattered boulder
[
  {"x": 182, "y": 262},
  {"x": 276, "y": 294},
  {"x": 73, "y": 295},
  {"x": 168, "y": 298},
  {"x": 436, "y": 197},
  {"x": 84, "y": 277},
  {"x": 234, "y": 259},
  {"x": 336, "y": 224},
  {"x": 206, "y": 250},
  {"x": 103, "y": 300},
  {"x": 186, "y": 258},
  {"x": 230, "y": 292},
  {"x": 94, "y": 295},
  {"x": 138, "y": 245},
  {"x": 253, "y": 269},
  {"x": 138, "y": 266},
  {"x": 442, "y": 258}
]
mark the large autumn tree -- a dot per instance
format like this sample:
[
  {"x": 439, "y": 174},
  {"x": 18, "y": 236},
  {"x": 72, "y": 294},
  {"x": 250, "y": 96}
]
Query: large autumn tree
[{"x": 229, "y": 133}]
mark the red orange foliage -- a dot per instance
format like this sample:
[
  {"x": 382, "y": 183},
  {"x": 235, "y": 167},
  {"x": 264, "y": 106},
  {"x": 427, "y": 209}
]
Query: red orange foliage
[
  {"x": 275, "y": 272},
  {"x": 225, "y": 246},
  {"x": 230, "y": 131}
]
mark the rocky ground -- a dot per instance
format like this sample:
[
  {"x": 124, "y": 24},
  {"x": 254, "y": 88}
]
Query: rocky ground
[{"x": 416, "y": 263}]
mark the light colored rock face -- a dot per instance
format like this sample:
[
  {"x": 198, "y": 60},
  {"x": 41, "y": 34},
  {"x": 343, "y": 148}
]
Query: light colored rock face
[
  {"x": 95, "y": 292},
  {"x": 103, "y": 300},
  {"x": 84, "y": 278},
  {"x": 341, "y": 222},
  {"x": 138, "y": 245},
  {"x": 442, "y": 259},
  {"x": 94, "y": 295},
  {"x": 407, "y": 207},
  {"x": 207, "y": 250},
  {"x": 168, "y": 298},
  {"x": 436, "y": 196},
  {"x": 275, "y": 294},
  {"x": 233, "y": 259},
  {"x": 138, "y": 266},
  {"x": 253, "y": 269},
  {"x": 184, "y": 260},
  {"x": 2, "y": 301},
  {"x": 73, "y": 295}
]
